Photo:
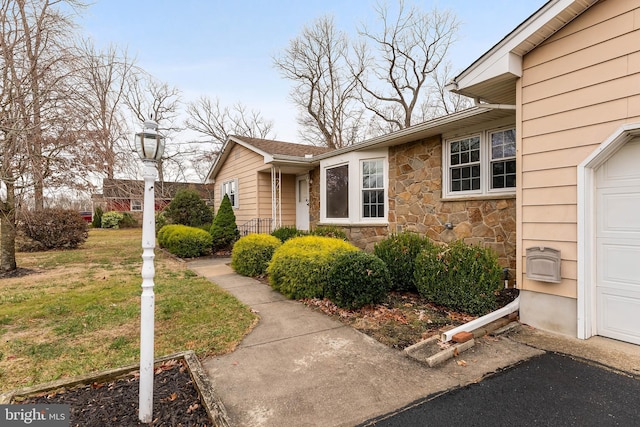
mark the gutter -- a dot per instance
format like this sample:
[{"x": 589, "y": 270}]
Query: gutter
[
  {"x": 513, "y": 306},
  {"x": 477, "y": 103}
]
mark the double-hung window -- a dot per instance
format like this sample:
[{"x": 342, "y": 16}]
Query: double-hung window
[
  {"x": 372, "y": 188},
  {"x": 354, "y": 188},
  {"x": 480, "y": 164},
  {"x": 230, "y": 188}
]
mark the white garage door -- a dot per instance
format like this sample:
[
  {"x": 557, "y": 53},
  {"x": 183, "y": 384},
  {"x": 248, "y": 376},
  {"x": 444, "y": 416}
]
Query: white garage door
[{"x": 618, "y": 245}]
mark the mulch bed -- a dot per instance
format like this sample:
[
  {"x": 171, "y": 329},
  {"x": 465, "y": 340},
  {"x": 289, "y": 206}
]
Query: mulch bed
[{"x": 176, "y": 402}]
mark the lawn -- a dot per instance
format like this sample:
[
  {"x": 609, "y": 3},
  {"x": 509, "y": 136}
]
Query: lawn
[{"x": 78, "y": 311}]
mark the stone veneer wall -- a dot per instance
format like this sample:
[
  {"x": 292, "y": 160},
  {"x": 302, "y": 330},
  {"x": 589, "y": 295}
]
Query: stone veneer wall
[{"x": 416, "y": 204}]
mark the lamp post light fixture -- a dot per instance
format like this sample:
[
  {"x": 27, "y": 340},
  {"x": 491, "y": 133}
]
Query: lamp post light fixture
[{"x": 150, "y": 146}]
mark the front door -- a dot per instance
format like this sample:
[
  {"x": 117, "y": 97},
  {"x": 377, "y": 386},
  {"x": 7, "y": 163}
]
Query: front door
[
  {"x": 618, "y": 245},
  {"x": 302, "y": 202}
]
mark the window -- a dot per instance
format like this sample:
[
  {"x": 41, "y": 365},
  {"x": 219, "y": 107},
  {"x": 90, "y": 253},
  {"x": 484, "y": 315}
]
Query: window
[
  {"x": 136, "y": 205},
  {"x": 231, "y": 189},
  {"x": 503, "y": 159},
  {"x": 353, "y": 188},
  {"x": 337, "y": 183},
  {"x": 465, "y": 164},
  {"x": 481, "y": 164},
  {"x": 373, "y": 189}
]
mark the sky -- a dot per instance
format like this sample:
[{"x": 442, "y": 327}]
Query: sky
[{"x": 225, "y": 48}]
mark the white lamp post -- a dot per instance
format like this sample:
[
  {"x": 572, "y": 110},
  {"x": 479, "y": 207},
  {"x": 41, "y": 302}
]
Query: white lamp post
[{"x": 150, "y": 146}]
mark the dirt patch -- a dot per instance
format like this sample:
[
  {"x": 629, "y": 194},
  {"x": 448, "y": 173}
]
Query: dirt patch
[
  {"x": 403, "y": 319},
  {"x": 175, "y": 400},
  {"x": 17, "y": 273}
]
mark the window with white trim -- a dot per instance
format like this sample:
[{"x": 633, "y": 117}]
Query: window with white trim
[
  {"x": 372, "y": 188},
  {"x": 231, "y": 189},
  {"x": 354, "y": 188},
  {"x": 480, "y": 164},
  {"x": 136, "y": 205}
]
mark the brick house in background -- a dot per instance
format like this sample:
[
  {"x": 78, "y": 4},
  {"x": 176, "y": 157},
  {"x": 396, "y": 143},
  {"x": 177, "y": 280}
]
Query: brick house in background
[{"x": 125, "y": 195}]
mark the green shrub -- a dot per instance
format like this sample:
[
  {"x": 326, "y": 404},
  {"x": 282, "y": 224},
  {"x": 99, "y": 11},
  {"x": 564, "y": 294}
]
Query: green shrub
[
  {"x": 330, "y": 231},
  {"x": 460, "y": 277},
  {"x": 357, "y": 279},
  {"x": 184, "y": 241},
  {"x": 111, "y": 219},
  {"x": 161, "y": 221},
  {"x": 287, "y": 232},
  {"x": 399, "y": 252},
  {"x": 188, "y": 208},
  {"x": 299, "y": 267},
  {"x": 55, "y": 228},
  {"x": 251, "y": 254},
  {"x": 224, "y": 229},
  {"x": 96, "y": 222},
  {"x": 128, "y": 221}
]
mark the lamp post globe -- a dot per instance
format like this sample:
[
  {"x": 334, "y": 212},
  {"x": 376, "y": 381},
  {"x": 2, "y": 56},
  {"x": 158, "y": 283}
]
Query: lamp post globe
[{"x": 150, "y": 147}]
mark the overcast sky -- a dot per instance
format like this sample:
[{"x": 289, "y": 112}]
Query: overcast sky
[{"x": 224, "y": 48}]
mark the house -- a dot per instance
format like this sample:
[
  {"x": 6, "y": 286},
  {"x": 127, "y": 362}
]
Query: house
[
  {"x": 267, "y": 182},
  {"x": 572, "y": 70},
  {"x": 542, "y": 169},
  {"x": 125, "y": 195}
]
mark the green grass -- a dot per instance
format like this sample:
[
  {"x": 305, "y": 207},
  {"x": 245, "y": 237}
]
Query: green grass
[{"x": 80, "y": 311}]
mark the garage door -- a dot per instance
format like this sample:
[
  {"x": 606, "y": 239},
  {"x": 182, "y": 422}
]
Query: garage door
[{"x": 618, "y": 245}]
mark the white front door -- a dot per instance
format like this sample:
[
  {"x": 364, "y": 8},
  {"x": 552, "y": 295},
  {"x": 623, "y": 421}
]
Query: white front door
[
  {"x": 302, "y": 203},
  {"x": 618, "y": 245}
]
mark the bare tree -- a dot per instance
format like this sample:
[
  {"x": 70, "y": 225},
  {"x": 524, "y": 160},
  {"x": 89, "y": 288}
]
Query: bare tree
[
  {"x": 325, "y": 90},
  {"x": 37, "y": 121},
  {"x": 147, "y": 97},
  {"x": 400, "y": 60},
  {"x": 102, "y": 84},
  {"x": 211, "y": 119}
]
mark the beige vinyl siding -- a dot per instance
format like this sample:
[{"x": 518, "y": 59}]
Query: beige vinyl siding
[
  {"x": 264, "y": 195},
  {"x": 241, "y": 165},
  {"x": 577, "y": 88}
]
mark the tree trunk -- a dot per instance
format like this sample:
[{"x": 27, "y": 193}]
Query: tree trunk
[{"x": 8, "y": 230}]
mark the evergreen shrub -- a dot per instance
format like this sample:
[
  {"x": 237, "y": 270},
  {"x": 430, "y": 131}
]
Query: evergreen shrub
[
  {"x": 299, "y": 267},
  {"x": 287, "y": 232},
  {"x": 224, "y": 229},
  {"x": 188, "y": 208},
  {"x": 55, "y": 228},
  {"x": 357, "y": 279},
  {"x": 252, "y": 253},
  {"x": 399, "y": 252},
  {"x": 460, "y": 277},
  {"x": 96, "y": 222},
  {"x": 330, "y": 231},
  {"x": 184, "y": 241},
  {"x": 112, "y": 219}
]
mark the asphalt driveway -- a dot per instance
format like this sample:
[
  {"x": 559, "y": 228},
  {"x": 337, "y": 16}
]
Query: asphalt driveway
[{"x": 547, "y": 390}]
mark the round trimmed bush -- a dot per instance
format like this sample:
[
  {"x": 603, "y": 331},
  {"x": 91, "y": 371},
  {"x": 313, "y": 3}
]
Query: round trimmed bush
[
  {"x": 460, "y": 277},
  {"x": 299, "y": 267},
  {"x": 399, "y": 252},
  {"x": 251, "y": 254},
  {"x": 184, "y": 241},
  {"x": 357, "y": 279},
  {"x": 112, "y": 219}
]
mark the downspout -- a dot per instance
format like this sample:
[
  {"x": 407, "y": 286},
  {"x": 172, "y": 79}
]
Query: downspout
[{"x": 512, "y": 307}]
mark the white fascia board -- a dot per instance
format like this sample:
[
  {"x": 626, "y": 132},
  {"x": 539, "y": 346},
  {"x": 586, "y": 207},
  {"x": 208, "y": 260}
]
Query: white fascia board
[{"x": 500, "y": 59}]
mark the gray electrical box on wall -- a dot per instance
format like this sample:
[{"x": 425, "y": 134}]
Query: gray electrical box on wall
[{"x": 543, "y": 264}]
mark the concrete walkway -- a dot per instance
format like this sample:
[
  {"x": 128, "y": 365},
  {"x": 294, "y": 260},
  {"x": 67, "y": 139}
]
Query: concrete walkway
[{"x": 298, "y": 367}]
